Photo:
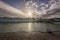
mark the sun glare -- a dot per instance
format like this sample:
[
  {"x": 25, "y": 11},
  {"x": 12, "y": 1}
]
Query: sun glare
[{"x": 29, "y": 14}]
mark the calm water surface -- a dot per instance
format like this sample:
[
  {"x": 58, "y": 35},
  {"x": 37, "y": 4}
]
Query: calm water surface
[{"x": 28, "y": 27}]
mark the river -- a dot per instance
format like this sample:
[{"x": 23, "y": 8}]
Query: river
[{"x": 28, "y": 27}]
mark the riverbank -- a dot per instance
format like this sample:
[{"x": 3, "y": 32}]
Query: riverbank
[{"x": 29, "y": 36}]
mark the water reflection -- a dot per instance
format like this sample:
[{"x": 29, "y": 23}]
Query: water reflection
[
  {"x": 18, "y": 27},
  {"x": 29, "y": 26}
]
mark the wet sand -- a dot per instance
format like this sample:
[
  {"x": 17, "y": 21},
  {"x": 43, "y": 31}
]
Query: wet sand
[{"x": 30, "y": 36}]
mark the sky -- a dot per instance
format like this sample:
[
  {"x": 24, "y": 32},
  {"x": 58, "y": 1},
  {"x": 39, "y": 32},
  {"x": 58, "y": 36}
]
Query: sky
[
  {"x": 39, "y": 8},
  {"x": 42, "y": 4}
]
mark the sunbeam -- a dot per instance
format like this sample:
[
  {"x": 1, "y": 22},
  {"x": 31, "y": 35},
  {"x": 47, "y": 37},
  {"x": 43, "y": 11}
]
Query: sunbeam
[{"x": 11, "y": 9}]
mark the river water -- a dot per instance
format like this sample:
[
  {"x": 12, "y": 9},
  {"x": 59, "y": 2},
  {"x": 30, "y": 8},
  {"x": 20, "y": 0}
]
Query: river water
[{"x": 28, "y": 27}]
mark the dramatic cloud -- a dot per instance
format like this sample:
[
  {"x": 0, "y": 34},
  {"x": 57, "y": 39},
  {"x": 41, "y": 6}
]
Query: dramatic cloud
[
  {"x": 38, "y": 8},
  {"x": 6, "y": 9},
  {"x": 44, "y": 9},
  {"x": 53, "y": 10}
]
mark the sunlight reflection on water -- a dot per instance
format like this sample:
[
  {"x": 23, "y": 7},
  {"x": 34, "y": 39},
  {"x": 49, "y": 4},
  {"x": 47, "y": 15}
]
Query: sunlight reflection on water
[{"x": 28, "y": 27}]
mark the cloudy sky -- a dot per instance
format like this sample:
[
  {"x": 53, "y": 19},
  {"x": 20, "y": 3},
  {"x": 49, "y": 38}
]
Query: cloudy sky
[{"x": 38, "y": 8}]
